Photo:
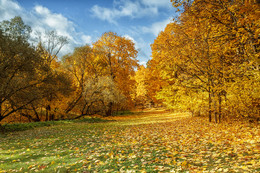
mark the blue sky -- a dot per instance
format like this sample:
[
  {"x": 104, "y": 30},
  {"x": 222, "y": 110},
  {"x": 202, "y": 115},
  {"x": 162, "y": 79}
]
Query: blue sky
[{"x": 84, "y": 21}]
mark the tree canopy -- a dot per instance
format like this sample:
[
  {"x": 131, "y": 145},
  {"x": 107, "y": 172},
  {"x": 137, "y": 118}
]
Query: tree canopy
[
  {"x": 209, "y": 59},
  {"x": 205, "y": 62}
]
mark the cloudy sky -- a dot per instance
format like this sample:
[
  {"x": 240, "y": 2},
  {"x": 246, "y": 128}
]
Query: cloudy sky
[{"x": 84, "y": 21}]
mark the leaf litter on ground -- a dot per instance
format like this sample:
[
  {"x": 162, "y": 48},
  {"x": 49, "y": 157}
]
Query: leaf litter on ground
[{"x": 154, "y": 141}]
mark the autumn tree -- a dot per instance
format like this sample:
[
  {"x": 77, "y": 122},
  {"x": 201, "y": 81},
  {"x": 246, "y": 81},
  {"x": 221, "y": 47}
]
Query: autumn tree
[
  {"x": 211, "y": 48},
  {"x": 178, "y": 68},
  {"x": 21, "y": 68},
  {"x": 99, "y": 93},
  {"x": 119, "y": 58},
  {"x": 28, "y": 74},
  {"x": 146, "y": 86},
  {"x": 234, "y": 46},
  {"x": 81, "y": 65},
  {"x": 49, "y": 46},
  {"x": 140, "y": 91},
  {"x": 52, "y": 43},
  {"x": 112, "y": 57},
  {"x": 16, "y": 29}
]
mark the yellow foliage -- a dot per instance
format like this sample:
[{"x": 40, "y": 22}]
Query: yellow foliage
[{"x": 209, "y": 59}]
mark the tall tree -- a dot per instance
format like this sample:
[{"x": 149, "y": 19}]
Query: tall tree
[
  {"x": 82, "y": 65},
  {"x": 119, "y": 56},
  {"x": 16, "y": 29},
  {"x": 50, "y": 46},
  {"x": 146, "y": 86},
  {"x": 52, "y": 43},
  {"x": 21, "y": 68},
  {"x": 99, "y": 93},
  {"x": 210, "y": 48}
]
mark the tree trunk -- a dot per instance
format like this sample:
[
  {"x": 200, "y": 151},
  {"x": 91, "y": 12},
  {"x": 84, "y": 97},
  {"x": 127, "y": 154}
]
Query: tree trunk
[
  {"x": 215, "y": 109},
  {"x": 210, "y": 102},
  {"x": 36, "y": 114},
  {"x": 52, "y": 117},
  {"x": 2, "y": 130},
  {"x": 219, "y": 107},
  {"x": 73, "y": 104},
  {"x": 47, "y": 109},
  {"x": 109, "y": 111},
  {"x": 1, "y": 116}
]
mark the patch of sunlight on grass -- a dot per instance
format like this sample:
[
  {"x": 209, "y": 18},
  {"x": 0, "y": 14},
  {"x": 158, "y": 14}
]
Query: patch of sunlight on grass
[{"x": 153, "y": 118}]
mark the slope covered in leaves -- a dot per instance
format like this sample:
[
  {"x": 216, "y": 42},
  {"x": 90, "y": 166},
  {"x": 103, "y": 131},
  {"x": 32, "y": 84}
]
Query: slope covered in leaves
[{"x": 135, "y": 144}]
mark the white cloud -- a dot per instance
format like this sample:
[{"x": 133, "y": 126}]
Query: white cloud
[
  {"x": 41, "y": 19},
  {"x": 139, "y": 45},
  {"x": 142, "y": 47},
  {"x": 104, "y": 14},
  {"x": 133, "y": 40},
  {"x": 9, "y": 9},
  {"x": 157, "y": 3},
  {"x": 129, "y": 38},
  {"x": 53, "y": 21},
  {"x": 121, "y": 9},
  {"x": 156, "y": 27},
  {"x": 86, "y": 39},
  {"x": 42, "y": 10}
]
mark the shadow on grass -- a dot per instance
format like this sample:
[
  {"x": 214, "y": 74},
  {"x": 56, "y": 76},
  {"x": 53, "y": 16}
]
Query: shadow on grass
[
  {"x": 126, "y": 113},
  {"x": 26, "y": 126},
  {"x": 5, "y": 128}
]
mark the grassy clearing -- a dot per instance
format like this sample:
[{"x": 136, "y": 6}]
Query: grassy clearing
[
  {"x": 26, "y": 126},
  {"x": 151, "y": 142}
]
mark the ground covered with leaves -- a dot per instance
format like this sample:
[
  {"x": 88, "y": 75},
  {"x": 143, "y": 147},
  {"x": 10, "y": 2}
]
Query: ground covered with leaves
[{"x": 147, "y": 142}]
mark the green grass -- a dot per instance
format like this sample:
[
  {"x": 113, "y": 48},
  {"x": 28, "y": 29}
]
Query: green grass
[
  {"x": 26, "y": 126},
  {"x": 67, "y": 147},
  {"x": 152, "y": 143}
]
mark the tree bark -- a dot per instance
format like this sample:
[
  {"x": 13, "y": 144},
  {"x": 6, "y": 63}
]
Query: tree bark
[
  {"x": 73, "y": 104},
  {"x": 219, "y": 107},
  {"x": 210, "y": 102},
  {"x": 47, "y": 110},
  {"x": 36, "y": 114},
  {"x": 215, "y": 108},
  {"x": 109, "y": 111}
]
